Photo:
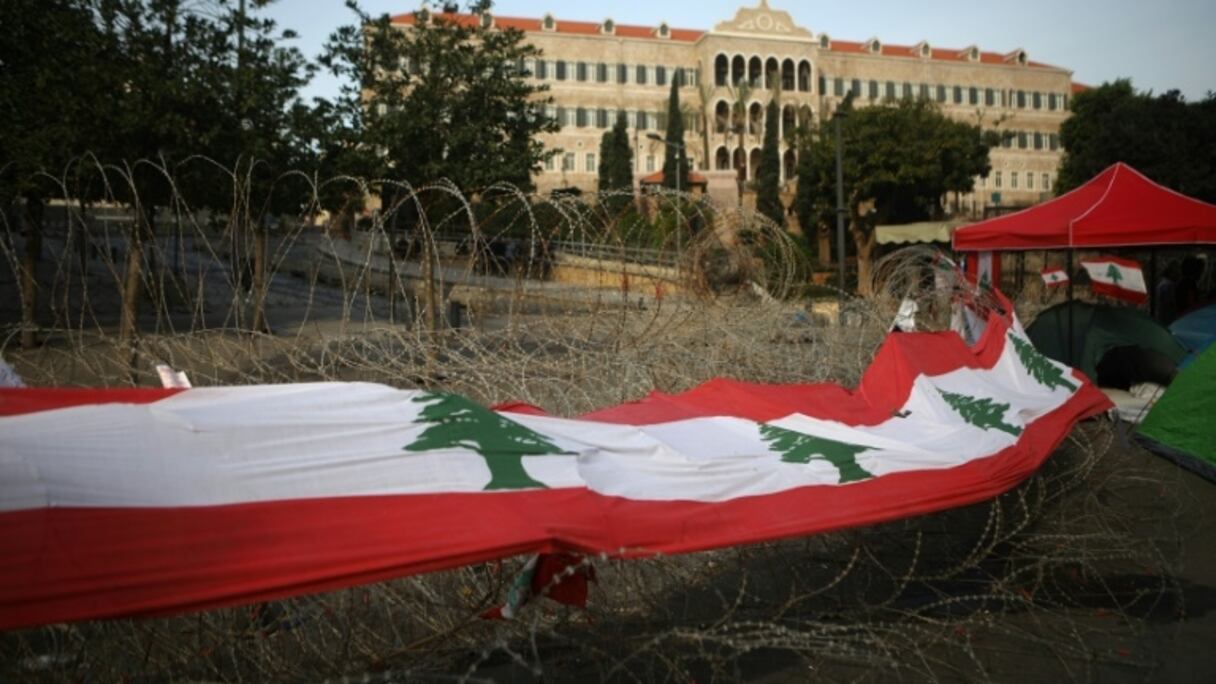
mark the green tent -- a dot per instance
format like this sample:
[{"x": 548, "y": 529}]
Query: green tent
[
  {"x": 1182, "y": 424},
  {"x": 1139, "y": 348}
]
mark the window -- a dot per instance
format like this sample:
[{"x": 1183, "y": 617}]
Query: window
[
  {"x": 601, "y": 73},
  {"x": 907, "y": 90},
  {"x": 973, "y": 96},
  {"x": 581, "y": 72},
  {"x": 601, "y": 118},
  {"x": 989, "y": 97},
  {"x": 1053, "y": 102},
  {"x": 1022, "y": 140},
  {"x": 590, "y": 167},
  {"x": 1038, "y": 140},
  {"x": 838, "y": 87},
  {"x": 580, "y": 117},
  {"x": 1038, "y": 100},
  {"x": 649, "y": 163},
  {"x": 855, "y": 87},
  {"x": 660, "y": 75},
  {"x": 568, "y": 162},
  {"x": 873, "y": 90},
  {"x": 609, "y": 26},
  {"x": 561, "y": 116},
  {"x": 622, "y": 73},
  {"x": 640, "y": 75},
  {"x": 1029, "y": 181},
  {"x": 1053, "y": 141},
  {"x": 542, "y": 69},
  {"x": 561, "y": 71},
  {"x": 551, "y": 162},
  {"x": 642, "y": 121},
  {"x": 721, "y": 69},
  {"x": 823, "y": 84},
  {"x": 1021, "y": 99},
  {"x": 997, "y": 180},
  {"x": 1046, "y": 182},
  {"x": 1013, "y": 180},
  {"x": 941, "y": 93},
  {"x": 549, "y": 23},
  {"x": 958, "y": 94},
  {"x": 890, "y": 90}
]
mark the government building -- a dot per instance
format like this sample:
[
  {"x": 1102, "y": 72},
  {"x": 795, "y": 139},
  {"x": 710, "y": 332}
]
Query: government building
[{"x": 728, "y": 74}]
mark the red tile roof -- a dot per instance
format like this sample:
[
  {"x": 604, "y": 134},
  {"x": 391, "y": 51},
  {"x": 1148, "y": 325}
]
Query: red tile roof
[
  {"x": 656, "y": 178},
  {"x": 940, "y": 54},
  {"x": 587, "y": 28},
  {"x": 1079, "y": 88},
  {"x": 582, "y": 28}
]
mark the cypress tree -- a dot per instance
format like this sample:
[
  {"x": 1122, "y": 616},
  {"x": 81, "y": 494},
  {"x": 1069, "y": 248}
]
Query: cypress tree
[
  {"x": 768, "y": 174},
  {"x": 675, "y": 157},
  {"x": 616, "y": 166}
]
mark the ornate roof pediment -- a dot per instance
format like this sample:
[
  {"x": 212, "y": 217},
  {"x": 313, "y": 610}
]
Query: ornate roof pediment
[{"x": 763, "y": 20}]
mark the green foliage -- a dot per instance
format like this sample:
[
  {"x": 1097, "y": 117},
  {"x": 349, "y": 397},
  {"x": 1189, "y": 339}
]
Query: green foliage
[
  {"x": 1166, "y": 138},
  {"x": 457, "y": 423},
  {"x": 768, "y": 175},
  {"x": 440, "y": 100},
  {"x": 675, "y": 157},
  {"x": 982, "y": 413},
  {"x": 796, "y": 447},
  {"x": 616, "y": 168},
  {"x": 1038, "y": 366}
]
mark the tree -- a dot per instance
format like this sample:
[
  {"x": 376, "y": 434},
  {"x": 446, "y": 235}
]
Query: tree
[
  {"x": 440, "y": 99},
  {"x": 675, "y": 157},
  {"x": 982, "y": 413},
  {"x": 899, "y": 161},
  {"x": 1168, "y": 139},
  {"x": 768, "y": 174},
  {"x": 616, "y": 168},
  {"x": 457, "y": 423},
  {"x": 796, "y": 447},
  {"x": 1041, "y": 368},
  {"x": 814, "y": 230}
]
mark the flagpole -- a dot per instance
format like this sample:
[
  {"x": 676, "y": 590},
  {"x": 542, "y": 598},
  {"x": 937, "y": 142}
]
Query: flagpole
[{"x": 1068, "y": 355}]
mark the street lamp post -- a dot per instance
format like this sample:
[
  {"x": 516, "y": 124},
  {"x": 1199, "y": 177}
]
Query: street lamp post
[
  {"x": 678, "y": 146},
  {"x": 840, "y": 212}
]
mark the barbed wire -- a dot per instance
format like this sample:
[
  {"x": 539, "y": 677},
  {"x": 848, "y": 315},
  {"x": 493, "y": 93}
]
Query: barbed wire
[{"x": 571, "y": 304}]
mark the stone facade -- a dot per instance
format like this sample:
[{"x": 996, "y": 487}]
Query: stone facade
[{"x": 594, "y": 70}]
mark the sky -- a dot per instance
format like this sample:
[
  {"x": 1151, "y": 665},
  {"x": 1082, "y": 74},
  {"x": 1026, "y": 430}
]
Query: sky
[{"x": 1162, "y": 45}]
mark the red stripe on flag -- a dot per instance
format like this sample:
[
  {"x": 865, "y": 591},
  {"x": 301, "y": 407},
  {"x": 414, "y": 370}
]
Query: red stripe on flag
[{"x": 63, "y": 565}]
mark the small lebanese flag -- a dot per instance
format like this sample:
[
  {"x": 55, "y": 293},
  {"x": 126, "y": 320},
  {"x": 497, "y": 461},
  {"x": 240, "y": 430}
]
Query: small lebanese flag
[
  {"x": 1054, "y": 276},
  {"x": 1117, "y": 277}
]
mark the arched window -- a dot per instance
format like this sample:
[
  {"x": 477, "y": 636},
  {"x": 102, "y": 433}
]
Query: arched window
[
  {"x": 805, "y": 117},
  {"x": 753, "y": 164},
  {"x": 771, "y": 71},
  {"x": 740, "y": 161},
  {"x": 737, "y": 69},
  {"x": 788, "y": 120},
  {"x": 790, "y": 164},
  {"x": 721, "y": 116},
  {"x": 825, "y": 42},
  {"x": 787, "y": 75},
  {"x": 804, "y": 76},
  {"x": 549, "y": 24},
  {"x": 754, "y": 68},
  {"x": 722, "y": 159},
  {"x": 755, "y": 119},
  {"x": 608, "y": 27},
  {"x": 721, "y": 70},
  {"x": 664, "y": 31}
]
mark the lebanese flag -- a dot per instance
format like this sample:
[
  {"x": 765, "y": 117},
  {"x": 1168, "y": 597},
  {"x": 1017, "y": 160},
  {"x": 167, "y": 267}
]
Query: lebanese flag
[
  {"x": 1054, "y": 276},
  {"x": 138, "y": 502},
  {"x": 1117, "y": 277}
]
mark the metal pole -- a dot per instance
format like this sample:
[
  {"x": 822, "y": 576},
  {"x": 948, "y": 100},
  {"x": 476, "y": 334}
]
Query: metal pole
[{"x": 840, "y": 212}]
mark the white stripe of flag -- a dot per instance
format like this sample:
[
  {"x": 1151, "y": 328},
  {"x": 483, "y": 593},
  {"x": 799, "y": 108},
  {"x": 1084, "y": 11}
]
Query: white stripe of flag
[{"x": 1117, "y": 277}]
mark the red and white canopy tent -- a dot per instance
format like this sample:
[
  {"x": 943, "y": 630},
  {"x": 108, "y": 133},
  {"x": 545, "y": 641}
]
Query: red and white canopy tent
[{"x": 1119, "y": 207}]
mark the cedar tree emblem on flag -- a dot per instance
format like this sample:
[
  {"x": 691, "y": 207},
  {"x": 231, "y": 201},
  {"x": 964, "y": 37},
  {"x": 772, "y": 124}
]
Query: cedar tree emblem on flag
[{"x": 1117, "y": 277}]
